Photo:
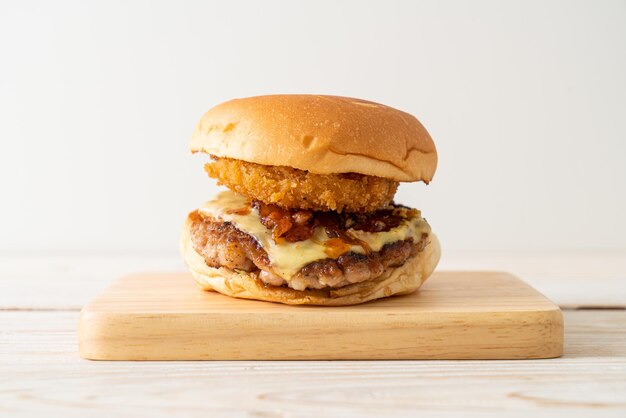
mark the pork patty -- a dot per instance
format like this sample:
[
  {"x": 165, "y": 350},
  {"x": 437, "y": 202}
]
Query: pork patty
[{"x": 221, "y": 244}]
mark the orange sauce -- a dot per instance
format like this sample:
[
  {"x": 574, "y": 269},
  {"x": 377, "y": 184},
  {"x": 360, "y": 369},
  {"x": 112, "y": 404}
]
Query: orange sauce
[{"x": 335, "y": 247}]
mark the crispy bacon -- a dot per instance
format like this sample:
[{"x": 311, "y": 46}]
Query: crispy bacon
[
  {"x": 292, "y": 225},
  {"x": 298, "y": 225}
]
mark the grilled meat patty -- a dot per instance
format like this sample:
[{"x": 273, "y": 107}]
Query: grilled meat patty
[{"x": 221, "y": 244}]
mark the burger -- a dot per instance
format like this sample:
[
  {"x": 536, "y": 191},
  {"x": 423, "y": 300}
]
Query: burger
[{"x": 309, "y": 217}]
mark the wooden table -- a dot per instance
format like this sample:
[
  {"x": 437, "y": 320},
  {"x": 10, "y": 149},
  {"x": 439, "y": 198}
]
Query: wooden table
[{"x": 42, "y": 375}]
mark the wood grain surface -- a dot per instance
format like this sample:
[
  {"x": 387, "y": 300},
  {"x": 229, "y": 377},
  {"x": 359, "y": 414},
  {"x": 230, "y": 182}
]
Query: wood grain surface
[
  {"x": 460, "y": 315},
  {"x": 42, "y": 374}
]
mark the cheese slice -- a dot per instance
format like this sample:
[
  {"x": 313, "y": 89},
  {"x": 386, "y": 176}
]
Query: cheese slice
[{"x": 287, "y": 258}]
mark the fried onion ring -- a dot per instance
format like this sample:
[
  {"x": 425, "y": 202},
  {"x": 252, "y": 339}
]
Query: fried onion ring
[{"x": 291, "y": 188}]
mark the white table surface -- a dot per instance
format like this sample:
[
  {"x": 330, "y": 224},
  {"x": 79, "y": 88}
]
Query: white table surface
[{"x": 42, "y": 375}]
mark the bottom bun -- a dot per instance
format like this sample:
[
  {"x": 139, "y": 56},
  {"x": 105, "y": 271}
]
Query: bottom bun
[{"x": 401, "y": 280}]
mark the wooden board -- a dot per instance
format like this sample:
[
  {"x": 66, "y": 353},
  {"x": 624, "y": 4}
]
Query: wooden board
[{"x": 455, "y": 315}]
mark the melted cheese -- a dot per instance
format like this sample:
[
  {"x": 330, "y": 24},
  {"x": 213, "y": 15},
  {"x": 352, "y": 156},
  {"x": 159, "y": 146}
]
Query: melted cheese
[{"x": 287, "y": 258}]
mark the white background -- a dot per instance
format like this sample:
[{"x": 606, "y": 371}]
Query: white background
[{"x": 526, "y": 102}]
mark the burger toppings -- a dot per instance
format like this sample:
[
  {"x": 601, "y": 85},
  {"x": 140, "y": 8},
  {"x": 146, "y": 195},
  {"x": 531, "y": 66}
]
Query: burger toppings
[
  {"x": 298, "y": 225},
  {"x": 305, "y": 249},
  {"x": 223, "y": 245},
  {"x": 289, "y": 188},
  {"x": 292, "y": 225}
]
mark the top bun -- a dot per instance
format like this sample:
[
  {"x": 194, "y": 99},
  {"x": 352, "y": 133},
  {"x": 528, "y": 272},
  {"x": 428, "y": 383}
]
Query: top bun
[{"x": 319, "y": 134}]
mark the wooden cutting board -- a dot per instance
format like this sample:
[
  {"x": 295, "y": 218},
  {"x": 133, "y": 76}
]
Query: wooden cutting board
[{"x": 455, "y": 315}]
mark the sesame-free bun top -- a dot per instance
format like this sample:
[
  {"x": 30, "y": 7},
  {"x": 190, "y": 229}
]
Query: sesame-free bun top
[{"x": 319, "y": 134}]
